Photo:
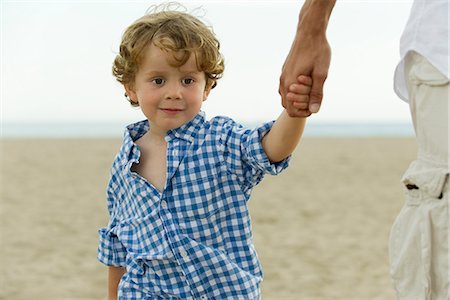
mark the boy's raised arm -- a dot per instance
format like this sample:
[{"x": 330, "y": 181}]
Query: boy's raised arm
[
  {"x": 284, "y": 136},
  {"x": 286, "y": 132}
]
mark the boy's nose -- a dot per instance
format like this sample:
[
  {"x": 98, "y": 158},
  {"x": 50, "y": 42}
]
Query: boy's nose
[{"x": 173, "y": 92}]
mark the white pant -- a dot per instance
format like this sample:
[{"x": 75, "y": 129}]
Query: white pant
[{"x": 419, "y": 242}]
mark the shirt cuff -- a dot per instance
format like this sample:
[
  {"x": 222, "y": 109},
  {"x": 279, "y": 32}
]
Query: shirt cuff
[
  {"x": 257, "y": 156},
  {"x": 110, "y": 250}
]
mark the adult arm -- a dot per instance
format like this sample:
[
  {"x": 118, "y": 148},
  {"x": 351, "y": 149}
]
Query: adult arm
[{"x": 310, "y": 55}]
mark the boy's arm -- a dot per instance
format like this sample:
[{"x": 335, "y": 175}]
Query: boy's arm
[
  {"x": 286, "y": 132},
  {"x": 284, "y": 136},
  {"x": 114, "y": 276}
]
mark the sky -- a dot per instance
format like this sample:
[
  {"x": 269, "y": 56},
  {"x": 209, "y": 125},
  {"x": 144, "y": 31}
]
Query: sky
[{"x": 56, "y": 59}]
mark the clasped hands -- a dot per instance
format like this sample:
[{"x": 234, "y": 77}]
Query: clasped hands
[{"x": 297, "y": 98}]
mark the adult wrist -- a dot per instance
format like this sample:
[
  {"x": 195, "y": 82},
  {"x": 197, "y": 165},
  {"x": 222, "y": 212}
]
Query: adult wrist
[{"x": 314, "y": 16}]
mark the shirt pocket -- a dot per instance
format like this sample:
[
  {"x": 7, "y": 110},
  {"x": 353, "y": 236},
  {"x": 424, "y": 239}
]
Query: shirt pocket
[
  {"x": 203, "y": 197},
  {"x": 423, "y": 179},
  {"x": 413, "y": 196}
]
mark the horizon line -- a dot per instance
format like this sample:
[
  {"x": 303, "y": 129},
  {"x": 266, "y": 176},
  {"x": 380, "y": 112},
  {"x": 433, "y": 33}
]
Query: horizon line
[{"x": 116, "y": 129}]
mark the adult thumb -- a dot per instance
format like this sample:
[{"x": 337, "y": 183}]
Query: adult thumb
[{"x": 316, "y": 95}]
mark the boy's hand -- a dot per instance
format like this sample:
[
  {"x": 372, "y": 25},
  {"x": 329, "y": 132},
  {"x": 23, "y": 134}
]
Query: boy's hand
[{"x": 299, "y": 95}]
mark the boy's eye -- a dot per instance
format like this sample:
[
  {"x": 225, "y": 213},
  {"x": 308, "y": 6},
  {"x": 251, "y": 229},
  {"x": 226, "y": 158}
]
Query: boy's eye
[
  {"x": 158, "y": 81},
  {"x": 188, "y": 81}
]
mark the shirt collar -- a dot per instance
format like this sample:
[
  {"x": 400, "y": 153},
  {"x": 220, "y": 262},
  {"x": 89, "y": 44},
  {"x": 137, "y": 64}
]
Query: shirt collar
[
  {"x": 136, "y": 130},
  {"x": 188, "y": 130},
  {"x": 132, "y": 133}
]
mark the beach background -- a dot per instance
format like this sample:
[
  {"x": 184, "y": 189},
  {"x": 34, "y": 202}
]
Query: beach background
[{"x": 321, "y": 228}]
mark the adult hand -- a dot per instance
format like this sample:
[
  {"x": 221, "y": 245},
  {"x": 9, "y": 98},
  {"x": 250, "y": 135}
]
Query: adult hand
[{"x": 310, "y": 55}]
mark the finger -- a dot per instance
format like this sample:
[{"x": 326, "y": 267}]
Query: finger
[
  {"x": 306, "y": 80},
  {"x": 294, "y": 111},
  {"x": 300, "y": 89},
  {"x": 292, "y": 97},
  {"x": 316, "y": 94},
  {"x": 300, "y": 105}
]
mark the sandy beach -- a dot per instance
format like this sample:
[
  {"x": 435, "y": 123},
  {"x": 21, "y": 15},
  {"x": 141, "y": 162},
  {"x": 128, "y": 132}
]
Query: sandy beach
[{"x": 321, "y": 228}]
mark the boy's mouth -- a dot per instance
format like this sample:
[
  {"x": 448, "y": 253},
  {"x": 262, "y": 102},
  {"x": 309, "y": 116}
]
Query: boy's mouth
[{"x": 171, "y": 110}]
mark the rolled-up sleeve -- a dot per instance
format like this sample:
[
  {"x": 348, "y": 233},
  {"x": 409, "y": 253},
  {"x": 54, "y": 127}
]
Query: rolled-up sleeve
[
  {"x": 253, "y": 152},
  {"x": 111, "y": 252},
  {"x": 245, "y": 155}
]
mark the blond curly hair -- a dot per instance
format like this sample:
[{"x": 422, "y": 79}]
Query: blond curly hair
[{"x": 173, "y": 31}]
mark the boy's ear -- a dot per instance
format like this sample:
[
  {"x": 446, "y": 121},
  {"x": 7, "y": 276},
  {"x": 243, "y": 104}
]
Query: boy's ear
[
  {"x": 130, "y": 92},
  {"x": 206, "y": 93},
  {"x": 208, "y": 89}
]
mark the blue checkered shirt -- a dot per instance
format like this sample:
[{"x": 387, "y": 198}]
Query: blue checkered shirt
[{"x": 193, "y": 240}]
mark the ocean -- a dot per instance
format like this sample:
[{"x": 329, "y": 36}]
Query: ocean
[{"x": 115, "y": 130}]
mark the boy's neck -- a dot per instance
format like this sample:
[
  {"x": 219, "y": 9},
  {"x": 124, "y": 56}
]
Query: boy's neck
[{"x": 155, "y": 137}]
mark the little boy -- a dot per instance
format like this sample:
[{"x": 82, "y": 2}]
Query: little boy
[{"x": 177, "y": 197}]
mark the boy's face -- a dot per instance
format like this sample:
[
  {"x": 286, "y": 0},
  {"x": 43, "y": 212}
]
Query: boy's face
[{"x": 168, "y": 96}]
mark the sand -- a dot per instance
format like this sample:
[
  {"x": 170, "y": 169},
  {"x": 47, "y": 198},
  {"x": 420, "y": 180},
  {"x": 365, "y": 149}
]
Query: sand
[{"x": 321, "y": 228}]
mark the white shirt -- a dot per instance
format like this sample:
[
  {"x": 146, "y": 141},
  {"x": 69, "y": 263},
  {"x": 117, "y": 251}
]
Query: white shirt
[{"x": 427, "y": 33}]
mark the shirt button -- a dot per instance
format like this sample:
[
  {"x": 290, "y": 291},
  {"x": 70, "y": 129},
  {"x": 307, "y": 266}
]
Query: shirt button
[
  {"x": 183, "y": 253},
  {"x": 203, "y": 297},
  {"x": 164, "y": 204}
]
